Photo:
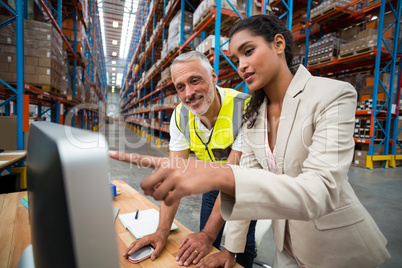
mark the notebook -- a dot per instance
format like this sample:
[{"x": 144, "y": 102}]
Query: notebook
[{"x": 145, "y": 224}]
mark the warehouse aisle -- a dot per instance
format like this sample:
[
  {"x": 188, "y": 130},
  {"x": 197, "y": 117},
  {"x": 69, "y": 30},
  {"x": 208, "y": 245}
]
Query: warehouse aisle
[{"x": 379, "y": 191}]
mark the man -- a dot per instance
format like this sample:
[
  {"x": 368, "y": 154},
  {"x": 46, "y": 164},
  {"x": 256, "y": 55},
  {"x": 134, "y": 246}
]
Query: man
[{"x": 206, "y": 122}]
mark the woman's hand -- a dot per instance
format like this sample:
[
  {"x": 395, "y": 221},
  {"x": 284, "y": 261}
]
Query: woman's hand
[{"x": 176, "y": 178}]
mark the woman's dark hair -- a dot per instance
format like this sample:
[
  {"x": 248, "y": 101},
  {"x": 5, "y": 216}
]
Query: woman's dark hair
[{"x": 267, "y": 26}]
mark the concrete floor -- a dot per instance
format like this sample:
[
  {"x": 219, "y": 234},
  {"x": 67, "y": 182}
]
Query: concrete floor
[{"x": 380, "y": 191}]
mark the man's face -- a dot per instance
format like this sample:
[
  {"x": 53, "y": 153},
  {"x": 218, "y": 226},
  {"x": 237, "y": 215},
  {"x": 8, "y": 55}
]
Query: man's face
[{"x": 195, "y": 85}]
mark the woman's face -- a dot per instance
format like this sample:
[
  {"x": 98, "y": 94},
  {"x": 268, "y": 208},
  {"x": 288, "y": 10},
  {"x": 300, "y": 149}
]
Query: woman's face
[{"x": 257, "y": 61}]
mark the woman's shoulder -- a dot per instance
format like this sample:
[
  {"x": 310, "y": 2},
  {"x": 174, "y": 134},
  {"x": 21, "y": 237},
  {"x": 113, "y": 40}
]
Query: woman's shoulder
[{"x": 323, "y": 87}]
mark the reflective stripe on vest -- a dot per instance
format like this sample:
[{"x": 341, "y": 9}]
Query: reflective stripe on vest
[{"x": 224, "y": 131}]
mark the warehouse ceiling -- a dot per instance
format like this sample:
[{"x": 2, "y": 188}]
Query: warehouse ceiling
[{"x": 117, "y": 20}]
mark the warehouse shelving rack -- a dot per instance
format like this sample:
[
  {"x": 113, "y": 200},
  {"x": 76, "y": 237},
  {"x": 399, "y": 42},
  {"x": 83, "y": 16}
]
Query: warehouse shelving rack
[
  {"x": 384, "y": 59},
  {"x": 148, "y": 92},
  {"x": 59, "y": 106}
]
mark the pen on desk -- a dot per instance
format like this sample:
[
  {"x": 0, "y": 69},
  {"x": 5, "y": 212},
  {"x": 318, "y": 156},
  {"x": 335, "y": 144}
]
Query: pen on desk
[{"x": 136, "y": 214}]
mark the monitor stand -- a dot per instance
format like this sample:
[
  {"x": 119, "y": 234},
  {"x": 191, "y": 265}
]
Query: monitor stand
[{"x": 27, "y": 258}]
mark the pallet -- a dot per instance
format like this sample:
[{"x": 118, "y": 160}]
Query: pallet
[
  {"x": 48, "y": 88},
  {"x": 313, "y": 64},
  {"x": 327, "y": 60},
  {"x": 356, "y": 53},
  {"x": 227, "y": 23},
  {"x": 332, "y": 18}
]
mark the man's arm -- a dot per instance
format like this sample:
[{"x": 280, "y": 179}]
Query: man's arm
[{"x": 202, "y": 241}]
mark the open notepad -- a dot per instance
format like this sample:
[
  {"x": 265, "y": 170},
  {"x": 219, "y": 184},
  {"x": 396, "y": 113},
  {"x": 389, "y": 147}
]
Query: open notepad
[{"x": 145, "y": 224}]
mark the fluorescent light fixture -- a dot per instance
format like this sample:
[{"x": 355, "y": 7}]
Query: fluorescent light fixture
[
  {"x": 113, "y": 74},
  {"x": 113, "y": 62},
  {"x": 112, "y": 90},
  {"x": 374, "y": 18},
  {"x": 114, "y": 54},
  {"x": 119, "y": 79},
  {"x": 113, "y": 87},
  {"x": 114, "y": 42},
  {"x": 102, "y": 24},
  {"x": 115, "y": 24},
  {"x": 131, "y": 7},
  {"x": 113, "y": 69},
  {"x": 113, "y": 82}
]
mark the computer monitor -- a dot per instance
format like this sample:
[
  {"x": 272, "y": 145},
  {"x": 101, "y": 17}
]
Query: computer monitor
[{"x": 70, "y": 201}]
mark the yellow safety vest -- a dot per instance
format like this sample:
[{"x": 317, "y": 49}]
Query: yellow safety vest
[{"x": 224, "y": 132}]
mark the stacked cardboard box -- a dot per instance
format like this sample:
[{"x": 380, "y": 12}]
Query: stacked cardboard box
[
  {"x": 361, "y": 152},
  {"x": 65, "y": 85},
  {"x": 79, "y": 84},
  {"x": 363, "y": 126},
  {"x": 170, "y": 100},
  {"x": 328, "y": 6},
  {"x": 362, "y": 41},
  {"x": 205, "y": 7},
  {"x": 164, "y": 145},
  {"x": 209, "y": 43},
  {"x": 43, "y": 54},
  {"x": 165, "y": 75},
  {"x": 323, "y": 51},
  {"x": 175, "y": 29}
]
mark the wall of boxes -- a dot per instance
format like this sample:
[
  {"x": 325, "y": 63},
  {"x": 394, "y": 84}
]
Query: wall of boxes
[
  {"x": 49, "y": 72},
  {"x": 342, "y": 44}
]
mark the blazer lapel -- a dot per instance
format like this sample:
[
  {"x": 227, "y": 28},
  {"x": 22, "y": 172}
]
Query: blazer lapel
[
  {"x": 288, "y": 114},
  {"x": 256, "y": 137}
]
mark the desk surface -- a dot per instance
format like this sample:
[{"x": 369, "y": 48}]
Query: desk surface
[
  {"x": 15, "y": 233},
  {"x": 11, "y": 158}
]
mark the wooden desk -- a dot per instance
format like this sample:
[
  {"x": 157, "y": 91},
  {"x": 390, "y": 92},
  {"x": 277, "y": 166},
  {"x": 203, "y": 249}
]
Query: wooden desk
[
  {"x": 15, "y": 232},
  {"x": 11, "y": 158}
]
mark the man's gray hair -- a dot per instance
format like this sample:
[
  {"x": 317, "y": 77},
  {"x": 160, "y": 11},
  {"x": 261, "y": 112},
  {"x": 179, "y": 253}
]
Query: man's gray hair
[{"x": 192, "y": 55}]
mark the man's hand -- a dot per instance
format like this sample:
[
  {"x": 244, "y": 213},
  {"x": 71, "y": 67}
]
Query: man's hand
[
  {"x": 193, "y": 248},
  {"x": 222, "y": 259},
  {"x": 157, "y": 240},
  {"x": 175, "y": 178}
]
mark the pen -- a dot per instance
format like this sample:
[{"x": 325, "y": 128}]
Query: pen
[{"x": 136, "y": 214}]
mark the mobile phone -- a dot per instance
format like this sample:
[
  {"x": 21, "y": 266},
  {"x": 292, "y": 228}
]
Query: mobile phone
[{"x": 141, "y": 254}]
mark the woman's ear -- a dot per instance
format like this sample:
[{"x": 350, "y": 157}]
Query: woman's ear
[{"x": 279, "y": 43}]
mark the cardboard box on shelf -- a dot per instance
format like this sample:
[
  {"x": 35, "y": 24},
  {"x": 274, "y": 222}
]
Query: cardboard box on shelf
[
  {"x": 209, "y": 43},
  {"x": 8, "y": 133}
]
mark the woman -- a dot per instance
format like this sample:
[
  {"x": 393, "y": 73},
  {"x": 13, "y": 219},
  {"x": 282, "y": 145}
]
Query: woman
[{"x": 297, "y": 149}]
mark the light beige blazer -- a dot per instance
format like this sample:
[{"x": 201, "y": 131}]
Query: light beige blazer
[{"x": 328, "y": 225}]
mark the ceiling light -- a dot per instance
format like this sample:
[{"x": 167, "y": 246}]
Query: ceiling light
[
  {"x": 113, "y": 87},
  {"x": 112, "y": 90},
  {"x": 114, "y": 42},
  {"x": 113, "y": 82},
  {"x": 128, "y": 26},
  {"x": 119, "y": 78},
  {"x": 113, "y": 69},
  {"x": 113, "y": 74},
  {"x": 113, "y": 62},
  {"x": 102, "y": 24},
  {"x": 115, "y": 24},
  {"x": 114, "y": 54},
  {"x": 374, "y": 18}
]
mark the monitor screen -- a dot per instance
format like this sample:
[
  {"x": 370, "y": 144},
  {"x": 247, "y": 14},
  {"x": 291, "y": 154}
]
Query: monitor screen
[{"x": 70, "y": 202}]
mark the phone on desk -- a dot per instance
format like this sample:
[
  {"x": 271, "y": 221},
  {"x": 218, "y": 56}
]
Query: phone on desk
[{"x": 141, "y": 254}]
